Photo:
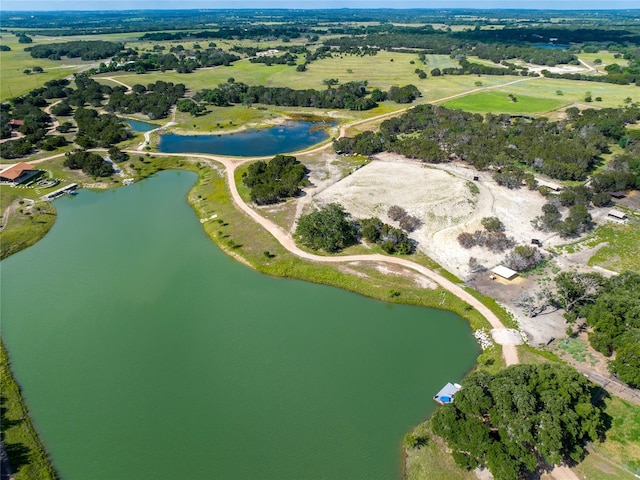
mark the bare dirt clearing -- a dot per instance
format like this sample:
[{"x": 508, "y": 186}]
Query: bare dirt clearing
[{"x": 448, "y": 201}]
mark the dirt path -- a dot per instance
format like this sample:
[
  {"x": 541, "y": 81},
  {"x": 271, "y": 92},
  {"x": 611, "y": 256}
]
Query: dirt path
[
  {"x": 129, "y": 89},
  {"x": 55, "y": 122}
]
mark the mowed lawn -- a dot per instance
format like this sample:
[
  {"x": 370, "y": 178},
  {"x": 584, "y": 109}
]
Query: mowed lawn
[{"x": 498, "y": 101}]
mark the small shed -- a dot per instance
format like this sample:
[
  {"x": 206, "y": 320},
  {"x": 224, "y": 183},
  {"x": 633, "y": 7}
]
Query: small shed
[
  {"x": 617, "y": 215},
  {"x": 446, "y": 393},
  {"x": 504, "y": 272},
  {"x": 617, "y": 195}
]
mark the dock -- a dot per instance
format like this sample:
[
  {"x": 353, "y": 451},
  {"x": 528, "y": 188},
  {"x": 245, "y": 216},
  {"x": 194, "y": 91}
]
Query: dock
[{"x": 59, "y": 192}]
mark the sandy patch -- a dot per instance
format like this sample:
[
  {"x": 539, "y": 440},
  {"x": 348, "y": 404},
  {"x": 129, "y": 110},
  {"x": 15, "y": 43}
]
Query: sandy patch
[
  {"x": 420, "y": 280},
  {"x": 506, "y": 336}
]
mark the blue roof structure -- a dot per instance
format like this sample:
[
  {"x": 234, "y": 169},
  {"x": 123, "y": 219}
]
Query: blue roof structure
[{"x": 446, "y": 394}]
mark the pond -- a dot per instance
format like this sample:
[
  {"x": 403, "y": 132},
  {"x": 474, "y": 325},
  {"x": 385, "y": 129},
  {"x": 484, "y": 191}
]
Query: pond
[
  {"x": 287, "y": 137},
  {"x": 144, "y": 352},
  {"x": 138, "y": 126}
]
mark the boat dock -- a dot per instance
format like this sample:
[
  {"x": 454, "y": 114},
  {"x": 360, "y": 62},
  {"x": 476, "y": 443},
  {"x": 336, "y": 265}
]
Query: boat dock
[{"x": 59, "y": 192}]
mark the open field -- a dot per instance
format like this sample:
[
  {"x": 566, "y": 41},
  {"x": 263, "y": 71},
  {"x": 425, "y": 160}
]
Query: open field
[
  {"x": 498, "y": 101},
  {"x": 619, "y": 455},
  {"x": 606, "y": 57},
  {"x": 13, "y": 82},
  {"x": 576, "y": 91}
]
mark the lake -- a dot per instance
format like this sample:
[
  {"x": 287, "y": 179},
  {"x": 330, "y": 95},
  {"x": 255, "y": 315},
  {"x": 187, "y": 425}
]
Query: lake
[
  {"x": 144, "y": 352},
  {"x": 287, "y": 137}
]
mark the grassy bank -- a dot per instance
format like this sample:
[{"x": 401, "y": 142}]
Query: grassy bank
[
  {"x": 27, "y": 457},
  {"x": 26, "y": 226}
]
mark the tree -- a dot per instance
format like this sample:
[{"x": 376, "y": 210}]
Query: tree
[
  {"x": 523, "y": 257},
  {"x": 627, "y": 363},
  {"x": 492, "y": 224},
  {"x": 276, "y": 180},
  {"x": 329, "y": 229},
  {"x": 575, "y": 289},
  {"x": 116, "y": 155},
  {"x": 519, "y": 419},
  {"x": 37, "y": 69}
]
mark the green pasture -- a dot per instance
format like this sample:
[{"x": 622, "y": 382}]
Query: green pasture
[
  {"x": 621, "y": 244},
  {"x": 498, "y": 101},
  {"x": 438, "y": 61},
  {"x": 575, "y": 91},
  {"x": 618, "y": 456},
  {"x": 13, "y": 82},
  {"x": 604, "y": 55}
]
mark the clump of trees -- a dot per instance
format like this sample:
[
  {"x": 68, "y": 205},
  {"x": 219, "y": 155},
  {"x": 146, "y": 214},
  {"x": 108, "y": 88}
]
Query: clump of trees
[
  {"x": 611, "y": 308},
  {"x": 390, "y": 239},
  {"x": 96, "y": 130},
  {"x": 273, "y": 181},
  {"x": 521, "y": 419},
  {"x": 523, "y": 257},
  {"x": 330, "y": 229},
  {"x": 578, "y": 219},
  {"x": 492, "y": 237},
  {"x": 154, "y": 100},
  {"x": 90, "y": 163},
  {"x": 407, "y": 222}
]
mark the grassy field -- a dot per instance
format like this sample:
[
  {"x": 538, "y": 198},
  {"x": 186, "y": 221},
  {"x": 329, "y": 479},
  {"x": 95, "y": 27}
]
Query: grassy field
[
  {"x": 606, "y": 57},
  {"x": 431, "y": 461},
  {"x": 498, "y": 101},
  {"x": 391, "y": 69},
  {"x": 618, "y": 456},
  {"x": 575, "y": 91},
  {"x": 28, "y": 459},
  {"x": 621, "y": 246},
  {"x": 13, "y": 82}
]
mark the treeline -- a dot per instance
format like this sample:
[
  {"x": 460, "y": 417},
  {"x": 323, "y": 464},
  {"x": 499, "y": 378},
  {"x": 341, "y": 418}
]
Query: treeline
[
  {"x": 86, "y": 50},
  {"x": 563, "y": 35},
  {"x": 244, "y": 31},
  {"x": 155, "y": 100},
  {"x": 285, "y": 59},
  {"x": 611, "y": 307},
  {"x": 350, "y": 96},
  {"x": 273, "y": 181},
  {"x": 179, "y": 59},
  {"x": 565, "y": 150},
  {"x": 452, "y": 44}
]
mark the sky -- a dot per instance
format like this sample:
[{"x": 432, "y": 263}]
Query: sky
[{"x": 214, "y": 4}]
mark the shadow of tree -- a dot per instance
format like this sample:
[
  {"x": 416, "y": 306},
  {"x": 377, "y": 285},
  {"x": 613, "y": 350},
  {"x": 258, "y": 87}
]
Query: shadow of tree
[{"x": 18, "y": 455}]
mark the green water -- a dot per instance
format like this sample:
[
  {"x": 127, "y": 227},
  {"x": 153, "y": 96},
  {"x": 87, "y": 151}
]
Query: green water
[{"x": 146, "y": 353}]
